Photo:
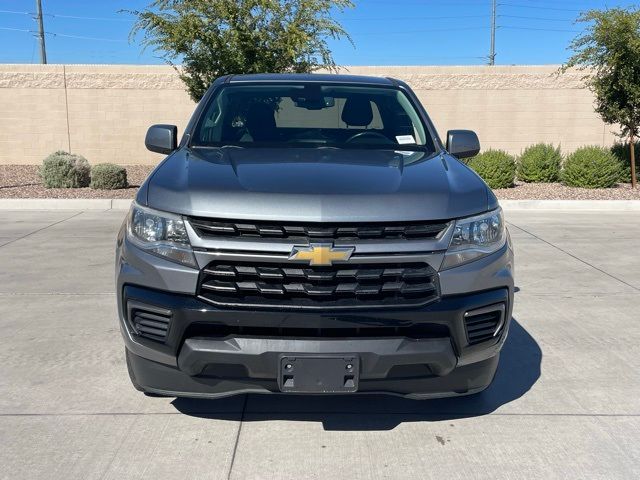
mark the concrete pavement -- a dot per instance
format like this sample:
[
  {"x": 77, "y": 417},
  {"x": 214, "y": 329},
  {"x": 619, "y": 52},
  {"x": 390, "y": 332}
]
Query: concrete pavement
[{"x": 565, "y": 403}]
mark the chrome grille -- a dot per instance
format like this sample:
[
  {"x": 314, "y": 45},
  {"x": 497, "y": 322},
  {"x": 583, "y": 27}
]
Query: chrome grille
[{"x": 208, "y": 228}]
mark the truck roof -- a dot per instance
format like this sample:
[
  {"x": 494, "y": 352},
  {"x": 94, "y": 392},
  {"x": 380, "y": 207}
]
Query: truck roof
[{"x": 310, "y": 77}]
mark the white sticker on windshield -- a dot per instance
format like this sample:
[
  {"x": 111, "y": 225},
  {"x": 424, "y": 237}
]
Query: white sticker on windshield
[{"x": 405, "y": 139}]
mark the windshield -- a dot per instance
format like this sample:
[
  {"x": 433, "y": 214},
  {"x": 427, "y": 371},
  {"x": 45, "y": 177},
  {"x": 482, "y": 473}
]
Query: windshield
[{"x": 312, "y": 115}]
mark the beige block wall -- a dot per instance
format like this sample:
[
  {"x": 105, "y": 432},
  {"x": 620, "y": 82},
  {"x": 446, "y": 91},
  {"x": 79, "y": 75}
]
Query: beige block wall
[
  {"x": 509, "y": 107},
  {"x": 103, "y": 111},
  {"x": 31, "y": 119}
]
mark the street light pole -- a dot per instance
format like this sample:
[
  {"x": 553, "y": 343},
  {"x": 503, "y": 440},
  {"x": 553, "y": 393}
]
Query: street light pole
[
  {"x": 43, "y": 49},
  {"x": 492, "y": 54}
]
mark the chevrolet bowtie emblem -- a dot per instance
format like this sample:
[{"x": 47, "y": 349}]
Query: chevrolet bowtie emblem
[{"x": 321, "y": 254}]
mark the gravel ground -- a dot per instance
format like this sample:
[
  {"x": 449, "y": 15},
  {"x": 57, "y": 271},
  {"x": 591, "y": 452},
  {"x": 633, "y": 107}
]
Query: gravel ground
[
  {"x": 557, "y": 191},
  {"x": 23, "y": 181}
]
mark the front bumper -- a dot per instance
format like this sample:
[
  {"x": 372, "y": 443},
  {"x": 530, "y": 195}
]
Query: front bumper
[
  {"x": 212, "y": 352},
  {"x": 197, "y": 360}
]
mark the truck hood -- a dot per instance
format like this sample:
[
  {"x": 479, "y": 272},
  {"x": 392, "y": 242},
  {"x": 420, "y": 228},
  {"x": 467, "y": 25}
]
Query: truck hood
[{"x": 315, "y": 184}]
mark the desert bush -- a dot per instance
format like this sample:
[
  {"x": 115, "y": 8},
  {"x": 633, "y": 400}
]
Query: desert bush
[
  {"x": 623, "y": 154},
  {"x": 496, "y": 167},
  {"x": 65, "y": 170},
  {"x": 107, "y": 176},
  {"x": 540, "y": 163},
  {"x": 591, "y": 167}
]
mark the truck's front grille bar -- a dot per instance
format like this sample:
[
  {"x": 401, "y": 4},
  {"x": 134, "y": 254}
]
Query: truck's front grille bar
[
  {"x": 287, "y": 285},
  {"x": 207, "y": 228}
]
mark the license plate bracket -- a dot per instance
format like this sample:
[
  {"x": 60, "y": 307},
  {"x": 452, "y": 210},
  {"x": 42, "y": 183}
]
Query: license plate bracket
[{"x": 319, "y": 373}]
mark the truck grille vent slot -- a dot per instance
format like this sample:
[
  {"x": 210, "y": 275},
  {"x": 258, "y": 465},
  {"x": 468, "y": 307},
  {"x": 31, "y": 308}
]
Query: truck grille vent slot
[
  {"x": 484, "y": 324},
  {"x": 287, "y": 285},
  {"x": 150, "y": 322},
  {"x": 415, "y": 331},
  {"x": 208, "y": 228}
]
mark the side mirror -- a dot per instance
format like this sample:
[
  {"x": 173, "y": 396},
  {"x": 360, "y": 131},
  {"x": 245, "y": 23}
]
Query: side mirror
[
  {"x": 162, "y": 138},
  {"x": 463, "y": 143}
]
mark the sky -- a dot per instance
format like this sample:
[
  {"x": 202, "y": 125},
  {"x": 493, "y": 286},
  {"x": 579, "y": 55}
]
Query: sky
[{"x": 397, "y": 32}]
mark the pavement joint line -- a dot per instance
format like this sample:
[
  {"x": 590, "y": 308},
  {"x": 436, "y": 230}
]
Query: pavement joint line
[
  {"x": 576, "y": 257},
  {"x": 41, "y": 229},
  {"x": 235, "y": 445},
  {"x": 153, "y": 452},
  {"x": 115, "y": 454}
]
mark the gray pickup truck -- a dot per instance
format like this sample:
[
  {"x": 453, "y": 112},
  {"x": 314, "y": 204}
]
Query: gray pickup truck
[{"x": 312, "y": 234}]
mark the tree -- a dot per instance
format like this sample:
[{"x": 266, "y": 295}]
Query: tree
[
  {"x": 211, "y": 38},
  {"x": 610, "y": 49}
]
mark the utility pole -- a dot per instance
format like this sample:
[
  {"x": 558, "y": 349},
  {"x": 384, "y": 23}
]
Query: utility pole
[
  {"x": 43, "y": 49},
  {"x": 492, "y": 54}
]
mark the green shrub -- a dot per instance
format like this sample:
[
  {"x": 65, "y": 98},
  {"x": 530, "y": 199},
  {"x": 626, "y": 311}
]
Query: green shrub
[
  {"x": 64, "y": 170},
  {"x": 540, "y": 164},
  {"x": 107, "y": 176},
  {"x": 496, "y": 167},
  {"x": 623, "y": 154},
  {"x": 591, "y": 167}
]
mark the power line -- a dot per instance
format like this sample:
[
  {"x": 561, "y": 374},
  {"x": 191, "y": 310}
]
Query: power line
[
  {"x": 509, "y": 27},
  {"x": 494, "y": 27},
  {"x": 519, "y": 5},
  {"x": 41, "y": 33},
  {"x": 72, "y": 17},
  {"x": 411, "y": 32},
  {"x": 16, "y": 29},
  {"x": 449, "y": 17},
  {"x": 421, "y": 3},
  {"x": 526, "y": 17},
  {"x": 54, "y": 34},
  {"x": 81, "y": 37},
  {"x": 369, "y": 58},
  {"x": 14, "y": 12},
  {"x": 576, "y": 3},
  {"x": 75, "y": 17}
]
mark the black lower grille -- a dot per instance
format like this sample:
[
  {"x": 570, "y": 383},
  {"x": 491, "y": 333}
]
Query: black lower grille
[
  {"x": 148, "y": 321},
  {"x": 484, "y": 324},
  {"x": 288, "y": 285},
  {"x": 416, "y": 331}
]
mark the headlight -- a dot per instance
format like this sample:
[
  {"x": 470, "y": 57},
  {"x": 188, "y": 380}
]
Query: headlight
[
  {"x": 475, "y": 237},
  {"x": 160, "y": 233}
]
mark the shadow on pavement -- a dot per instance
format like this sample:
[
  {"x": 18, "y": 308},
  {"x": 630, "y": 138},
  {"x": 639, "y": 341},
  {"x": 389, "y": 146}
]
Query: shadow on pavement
[{"x": 518, "y": 371}]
